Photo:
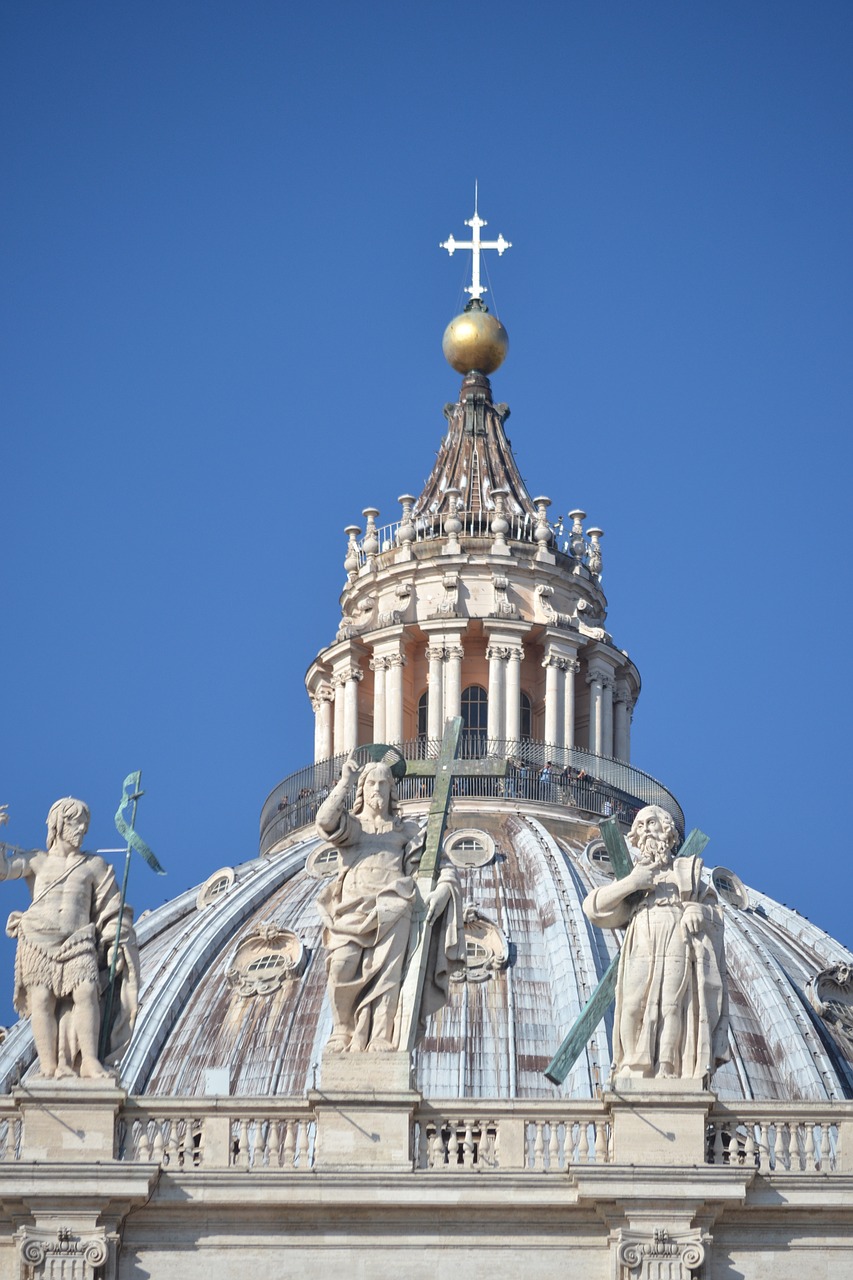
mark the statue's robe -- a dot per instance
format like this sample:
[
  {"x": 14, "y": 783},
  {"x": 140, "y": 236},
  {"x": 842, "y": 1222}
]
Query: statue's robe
[
  {"x": 369, "y": 906},
  {"x": 671, "y": 992}
]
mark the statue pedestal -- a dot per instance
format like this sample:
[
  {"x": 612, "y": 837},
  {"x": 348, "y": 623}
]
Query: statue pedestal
[
  {"x": 365, "y": 1106},
  {"x": 69, "y": 1120},
  {"x": 659, "y": 1122}
]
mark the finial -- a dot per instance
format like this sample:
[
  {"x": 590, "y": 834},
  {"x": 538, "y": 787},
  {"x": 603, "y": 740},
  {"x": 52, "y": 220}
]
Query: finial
[{"x": 475, "y": 244}]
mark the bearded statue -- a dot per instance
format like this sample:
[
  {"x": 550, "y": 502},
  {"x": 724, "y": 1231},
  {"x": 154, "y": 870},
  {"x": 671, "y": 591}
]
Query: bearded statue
[{"x": 671, "y": 1017}]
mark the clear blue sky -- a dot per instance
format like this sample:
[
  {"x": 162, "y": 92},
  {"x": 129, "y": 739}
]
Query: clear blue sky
[{"x": 223, "y": 300}]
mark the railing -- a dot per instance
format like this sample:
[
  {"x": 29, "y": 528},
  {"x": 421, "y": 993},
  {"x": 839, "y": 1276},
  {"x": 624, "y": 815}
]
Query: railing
[
  {"x": 768, "y": 1137},
  {"x": 579, "y": 779},
  {"x": 475, "y": 524},
  {"x": 453, "y": 1137},
  {"x": 183, "y": 1135}
]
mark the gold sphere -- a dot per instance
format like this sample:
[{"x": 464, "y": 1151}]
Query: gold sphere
[{"x": 475, "y": 340}]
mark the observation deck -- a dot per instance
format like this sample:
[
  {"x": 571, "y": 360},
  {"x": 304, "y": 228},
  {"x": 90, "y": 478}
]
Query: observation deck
[{"x": 580, "y": 781}]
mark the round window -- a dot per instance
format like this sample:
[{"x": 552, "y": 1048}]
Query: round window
[{"x": 469, "y": 848}]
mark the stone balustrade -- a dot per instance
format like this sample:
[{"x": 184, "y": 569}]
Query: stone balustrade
[
  {"x": 185, "y": 1135},
  {"x": 780, "y": 1138}
]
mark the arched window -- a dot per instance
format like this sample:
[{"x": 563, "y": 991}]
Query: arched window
[
  {"x": 475, "y": 717},
  {"x": 423, "y": 710},
  {"x": 526, "y": 717}
]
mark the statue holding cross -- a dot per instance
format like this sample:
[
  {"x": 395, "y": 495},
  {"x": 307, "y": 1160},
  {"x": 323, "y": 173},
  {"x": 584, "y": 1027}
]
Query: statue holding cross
[{"x": 392, "y": 916}]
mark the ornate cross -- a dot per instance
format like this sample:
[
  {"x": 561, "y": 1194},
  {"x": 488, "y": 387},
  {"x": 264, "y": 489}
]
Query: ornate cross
[
  {"x": 444, "y": 769},
  {"x": 599, "y": 1002},
  {"x": 475, "y": 244}
]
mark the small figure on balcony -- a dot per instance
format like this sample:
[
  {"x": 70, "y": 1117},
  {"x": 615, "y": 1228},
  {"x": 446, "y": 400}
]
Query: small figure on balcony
[
  {"x": 65, "y": 940},
  {"x": 367, "y": 912},
  {"x": 671, "y": 1016}
]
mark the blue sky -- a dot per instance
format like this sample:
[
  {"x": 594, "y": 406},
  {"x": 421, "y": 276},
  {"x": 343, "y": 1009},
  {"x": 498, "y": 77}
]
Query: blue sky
[{"x": 222, "y": 312}]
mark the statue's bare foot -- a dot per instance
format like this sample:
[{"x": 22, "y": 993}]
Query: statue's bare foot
[
  {"x": 381, "y": 1045},
  {"x": 337, "y": 1044},
  {"x": 63, "y": 1071},
  {"x": 91, "y": 1069}
]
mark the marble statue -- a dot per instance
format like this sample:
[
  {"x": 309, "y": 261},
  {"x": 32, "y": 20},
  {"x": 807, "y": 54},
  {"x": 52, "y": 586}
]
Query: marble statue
[
  {"x": 367, "y": 912},
  {"x": 65, "y": 942},
  {"x": 671, "y": 1017}
]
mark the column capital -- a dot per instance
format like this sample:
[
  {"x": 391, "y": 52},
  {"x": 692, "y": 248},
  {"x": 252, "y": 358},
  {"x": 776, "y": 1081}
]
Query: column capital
[
  {"x": 572, "y": 666},
  {"x": 515, "y": 652},
  {"x": 344, "y": 674},
  {"x": 434, "y": 651},
  {"x": 454, "y": 651},
  {"x": 379, "y": 663},
  {"x": 497, "y": 652}
]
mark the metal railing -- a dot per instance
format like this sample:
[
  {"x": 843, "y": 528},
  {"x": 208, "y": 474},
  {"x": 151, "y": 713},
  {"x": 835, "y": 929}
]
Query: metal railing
[{"x": 577, "y": 779}]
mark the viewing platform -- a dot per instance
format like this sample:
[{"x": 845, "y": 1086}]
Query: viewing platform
[{"x": 592, "y": 785}]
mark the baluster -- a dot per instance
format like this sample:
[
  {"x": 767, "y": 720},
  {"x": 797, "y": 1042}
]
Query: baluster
[
  {"x": 468, "y": 1145},
  {"x": 810, "y": 1148},
  {"x": 763, "y": 1151},
  {"x": 718, "y": 1150},
  {"x": 783, "y": 1135},
  {"x": 198, "y": 1155},
  {"x": 553, "y": 1144},
  {"x": 436, "y": 1147},
  {"x": 749, "y": 1146},
  {"x": 274, "y": 1144},
  {"x": 174, "y": 1146},
  {"x": 539, "y": 1147},
  {"x": 496, "y": 1145},
  {"x": 144, "y": 1142},
  {"x": 303, "y": 1147},
  {"x": 423, "y": 1145},
  {"x": 776, "y": 1160},
  {"x": 241, "y": 1156},
  {"x": 158, "y": 1148},
  {"x": 290, "y": 1144},
  {"x": 453, "y": 1146},
  {"x": 589, "y": 1131},
  {"x": 600, "y": 1142}
]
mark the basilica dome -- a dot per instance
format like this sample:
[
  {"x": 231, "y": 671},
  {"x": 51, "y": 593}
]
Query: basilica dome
[{"x": 234, "y": 998}]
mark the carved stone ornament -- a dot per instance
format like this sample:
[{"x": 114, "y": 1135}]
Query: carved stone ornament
[
  {"x": 358, "y": 620},
  {"x": 447, "y": 606},
  {"x": 265, "y": 959},
  {"x": 215, "y": 887},
  {"x": 61, "y": 1254},
  {"x": 830, "y": 993},
  {"x": 486, "y": 948},
  {"x": 659, "y": 1255},
  {"x": 566, "y": 621},
  {"x": 503, "y": 606}
]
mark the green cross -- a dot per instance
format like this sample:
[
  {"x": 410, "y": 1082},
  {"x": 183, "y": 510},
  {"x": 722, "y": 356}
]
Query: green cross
[
  {"x": 599, "y": 1002},
  {"x": 444, "y": 769}
]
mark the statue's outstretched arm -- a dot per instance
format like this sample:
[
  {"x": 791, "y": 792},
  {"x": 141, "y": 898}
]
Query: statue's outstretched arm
[{"x": 329, "y": 814}]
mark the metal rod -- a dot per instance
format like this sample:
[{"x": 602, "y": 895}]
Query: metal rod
[{"x": 106, "y": 1027}]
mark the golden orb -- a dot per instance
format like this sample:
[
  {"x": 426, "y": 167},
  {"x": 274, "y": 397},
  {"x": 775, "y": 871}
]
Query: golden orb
[{"x": 475, "y": 340}]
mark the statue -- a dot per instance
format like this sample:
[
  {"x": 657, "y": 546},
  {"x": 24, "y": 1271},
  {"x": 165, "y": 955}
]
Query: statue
[
  {"x": 671, "y": 1017},
  {"x": 65, "y": 942},
  {"x": 367, "y": 912}
]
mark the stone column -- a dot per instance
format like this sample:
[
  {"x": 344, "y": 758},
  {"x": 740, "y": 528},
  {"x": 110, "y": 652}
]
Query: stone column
[
  {"x": 379, "y": 667},
  {"x": 338, "y": 688},
  {"x": 572, "y": 668},
  {"x": 595, "y": 680},
  {"x": 351, "y": 676},
  {"x": 622, "y": 721},
  {"x": 394, "y": 698},
  {"x": 607, "y": 716},
  {"x": 554, "y": 680},
  {"x": 435, "y": 700},
  {"x": 496, "y": 656},
  {"x": 454, "y": 653},
  {"x": 513, "y": 694},
  {"x": 321, "y": 701}
]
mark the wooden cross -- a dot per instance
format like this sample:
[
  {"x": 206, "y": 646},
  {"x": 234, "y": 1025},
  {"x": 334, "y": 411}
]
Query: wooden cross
[
  {"x": 599, "y": 1002},
  {"x": 475, "y": 244},
  {"x": 444, "y": 769}
]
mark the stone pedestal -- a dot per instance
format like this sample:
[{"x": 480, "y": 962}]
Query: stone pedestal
[
  {"x": 365, "y": 1106},
  {"x": 69, "y": 1120},
  {"x": 659, "y": 1122}
]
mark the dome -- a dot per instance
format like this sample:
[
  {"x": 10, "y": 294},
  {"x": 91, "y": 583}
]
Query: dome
[{"x": 234, "y": 977}]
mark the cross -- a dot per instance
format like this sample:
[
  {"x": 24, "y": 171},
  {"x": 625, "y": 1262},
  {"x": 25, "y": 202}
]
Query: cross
[
  {"x": 599, "y": 1002},
  {"x": 475, "y": 244},
  {"x": 444, "y": 769}
]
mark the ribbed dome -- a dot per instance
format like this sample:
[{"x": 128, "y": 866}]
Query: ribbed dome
[{"x": 504, "y": 1022}]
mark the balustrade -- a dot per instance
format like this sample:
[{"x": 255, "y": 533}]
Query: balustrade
[{"x": 776, "y": 1140}]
